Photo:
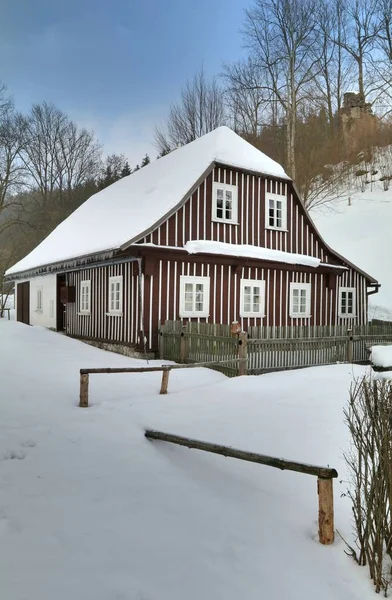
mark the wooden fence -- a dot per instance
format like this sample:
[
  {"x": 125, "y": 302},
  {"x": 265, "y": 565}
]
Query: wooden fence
[{"x": 264, "y": 349}]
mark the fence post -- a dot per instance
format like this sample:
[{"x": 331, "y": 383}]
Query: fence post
[
  {"x": 161, "y": 342},
  {"x": 326, "y": 521},
  {"x": 165, "y": 380},
  {"x": 182, "y": 347},
  {"x": 242, "y": 353},
  {"x": 83, "y": 397},
  {"x": 350, "y": 346}
]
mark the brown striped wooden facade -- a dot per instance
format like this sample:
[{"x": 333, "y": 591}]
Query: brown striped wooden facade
[{"x": 163, "y": 260}]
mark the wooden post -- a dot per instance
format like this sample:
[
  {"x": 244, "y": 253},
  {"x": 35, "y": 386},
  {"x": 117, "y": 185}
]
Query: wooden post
[
  {"x": 350, "y": 346},
  {"x": 161, "y": 341},
  {"x": 83, "y": 398},
  {"x": 242, "y": 353},
  {"x": 326, "y": 524},
  {"x": 165, "y": 380},
  {"x": 182, "y": 347}
]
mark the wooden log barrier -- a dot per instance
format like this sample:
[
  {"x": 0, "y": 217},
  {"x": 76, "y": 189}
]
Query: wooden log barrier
[{"x": 325, "y": 475}]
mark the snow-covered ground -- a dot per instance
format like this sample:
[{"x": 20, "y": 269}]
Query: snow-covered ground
[
  {"x": 362, "y": 233},
  {"x": 91, "y": 510},
  {"x": 381, "y": 356}
]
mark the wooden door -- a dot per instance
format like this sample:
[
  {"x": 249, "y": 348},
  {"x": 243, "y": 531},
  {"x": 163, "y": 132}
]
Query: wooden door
[{"x": 23, "y": 302}]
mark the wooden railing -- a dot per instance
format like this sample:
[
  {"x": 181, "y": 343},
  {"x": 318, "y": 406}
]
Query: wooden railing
[
  {"x": 324, "y": 475},
  {"x": 164, "y": 369}
]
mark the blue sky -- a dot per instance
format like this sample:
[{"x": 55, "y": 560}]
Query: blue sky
[{"x": 114, "y": 66}]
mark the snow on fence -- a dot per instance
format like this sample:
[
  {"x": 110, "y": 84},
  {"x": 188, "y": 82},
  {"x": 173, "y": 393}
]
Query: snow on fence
[
  {"x": 325, "y": 475},
  {"x": 268, "y": 348}
]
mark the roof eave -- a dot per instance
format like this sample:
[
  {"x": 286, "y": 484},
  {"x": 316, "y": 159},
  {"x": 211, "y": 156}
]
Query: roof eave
[{"x": 62, "y": 265}]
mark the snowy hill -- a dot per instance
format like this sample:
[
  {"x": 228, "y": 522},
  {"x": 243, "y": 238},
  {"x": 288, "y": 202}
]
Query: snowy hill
[
  {"x": 362, "y": 232},
  {"x": 91, "y": 510}
]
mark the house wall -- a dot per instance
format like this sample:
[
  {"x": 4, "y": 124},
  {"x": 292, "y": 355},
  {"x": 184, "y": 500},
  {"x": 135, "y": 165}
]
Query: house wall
[
  {"x": 163, "y": 289},
  {"x": 161, "y": 295},
  {"x": 98, "y": 324},
  {"x": 47, "y": 316},
  {"x": 193, "y": 221}
]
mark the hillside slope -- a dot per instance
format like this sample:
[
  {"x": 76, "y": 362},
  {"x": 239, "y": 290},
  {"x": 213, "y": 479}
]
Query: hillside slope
[{"x": 362, "y": 232}]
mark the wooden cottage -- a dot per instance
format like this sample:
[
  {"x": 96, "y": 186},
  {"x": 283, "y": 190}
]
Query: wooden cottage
[{"x": 214, "y": 231}]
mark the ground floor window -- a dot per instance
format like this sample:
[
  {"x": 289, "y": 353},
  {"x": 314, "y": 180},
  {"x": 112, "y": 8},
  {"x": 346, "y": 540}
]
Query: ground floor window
[
  {"x": 300, "y": 294},
  {"x": 346, "y": 302},
  {"x": 85, "y": 296},
  {"x": 39, "y": 299},
  {"x": 252, "y": 298},
  {"x": 194, "y": 296},
  {"x": 115, "y": 295}
]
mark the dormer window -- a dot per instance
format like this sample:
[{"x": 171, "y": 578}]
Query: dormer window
[
  {"x": 276, "y": 211},
  {"x": 225, "y": 203}
]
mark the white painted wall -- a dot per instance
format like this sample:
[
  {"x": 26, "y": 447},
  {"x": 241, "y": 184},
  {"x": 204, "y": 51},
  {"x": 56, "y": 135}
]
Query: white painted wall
[{"x": 47, "y": 316}]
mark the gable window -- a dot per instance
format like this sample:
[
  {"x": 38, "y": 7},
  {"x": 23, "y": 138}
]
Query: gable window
[
  {"x": 39, "y": 299},
  {"x": 276, "y": 209},
  {"x": 115, "y": 295},
  {"x": 85, "y": 296},
  {"x": 225, "y": 202},
  {"x": 252, "y": 298},
  {"x": 347, "y": 302},
  {"x": 300, "y": 299},
  {"x": 194, "y": 296}
]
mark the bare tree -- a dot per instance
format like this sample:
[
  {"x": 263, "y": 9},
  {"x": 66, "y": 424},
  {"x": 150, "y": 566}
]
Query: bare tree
[
  {"x": 282, "y": 36},
  {"x": 11, "y": 169},
  {"x": 200, "y": 110},
  {"x": 58, "y": 158},
  {"x": 251, "y": 104},
  {"x": 335, "y": 67},
  {"x": 360, "y": 27}
]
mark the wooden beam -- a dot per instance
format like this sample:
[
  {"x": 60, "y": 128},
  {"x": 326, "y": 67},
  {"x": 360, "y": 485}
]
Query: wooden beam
[
  {"x": 162, "y": 368},
  {"x": 269, "y": 461}
]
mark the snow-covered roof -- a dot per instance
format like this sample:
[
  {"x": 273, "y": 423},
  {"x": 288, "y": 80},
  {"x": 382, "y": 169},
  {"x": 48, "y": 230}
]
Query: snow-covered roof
[
  {"x": 246, "y": 251},
  {"x": 123, "y": 211}
]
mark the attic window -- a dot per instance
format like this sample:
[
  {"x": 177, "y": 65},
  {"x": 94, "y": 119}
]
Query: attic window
[
  {"x": 224, "y": 202},
  {"x": 276, "y": 211}
]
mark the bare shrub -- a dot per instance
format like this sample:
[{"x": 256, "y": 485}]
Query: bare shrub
[{"x": 369, "y": 460}]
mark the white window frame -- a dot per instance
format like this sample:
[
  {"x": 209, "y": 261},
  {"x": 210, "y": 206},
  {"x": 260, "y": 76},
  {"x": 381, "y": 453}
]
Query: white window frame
[
  {"x": 112, "y": 282},
  {"x": 205, "y": 281},
  {"x": 354, "y": 293},
  {"x": 276, "y": 198},
  {"x": 85, "y": 305},
  {"x": 252, "y": 283},
  {"x": 39, "y": 299},
  {"x": 226, "y": 188},
  {"x": 300, "y": 287}
]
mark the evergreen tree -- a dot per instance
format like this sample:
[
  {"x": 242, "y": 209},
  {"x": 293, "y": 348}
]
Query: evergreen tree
[
  {"x": 126, "y": 170},
  {"x": 146, "y": 160}
]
